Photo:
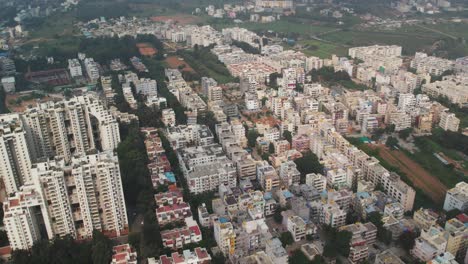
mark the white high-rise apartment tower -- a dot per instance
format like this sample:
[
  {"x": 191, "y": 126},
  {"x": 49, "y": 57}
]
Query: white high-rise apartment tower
[
  {"x": 15, "y": 161},
  {"x": 69, "y": 199}
]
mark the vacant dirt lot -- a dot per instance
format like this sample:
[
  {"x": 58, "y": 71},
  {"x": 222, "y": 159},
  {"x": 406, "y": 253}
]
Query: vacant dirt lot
[
  {"x": 420, "y": 177},
  {"x": 180, "y": 19},
  {"x": 174, "y": 62}
]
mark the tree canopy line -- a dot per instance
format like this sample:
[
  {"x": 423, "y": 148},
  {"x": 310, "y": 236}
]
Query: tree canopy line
[
  {"x": 246, "y": 47},
  {"x": 205, "y": 63},
  {"x": 67, "y": 250}
]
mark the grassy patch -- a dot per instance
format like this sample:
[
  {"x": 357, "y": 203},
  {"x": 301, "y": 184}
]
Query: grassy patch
[
  {"x": 206, "y": 63},
  {"x": 322, "y": 49},
  {"x": 425, "y": 157}
]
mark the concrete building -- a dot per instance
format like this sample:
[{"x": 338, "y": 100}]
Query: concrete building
[
  {"x": 16, "y": 159},
  {"x": 449, "y": 122},
  {"x": 297, "y": 227},
  {"x": 276, "y": 251},
  {"x": 92, "y": 69},
  {"x": 146, "y": 87},
  {"x": 387, "y": 257},
  {"x": 318, "y": 181},
  {"x": 457, "y": 197},
  {"x": 74, "y": 67},
  {"x": 8, "y": 84},
  {"x": 168, "y": 117},
  {"x": 70, "y": 127},
  {"x": 20, "y": 218},
  {"x": 425, "y": 218},
  {"x": 225, "y": 237},
  {"x": 72, "y": 199}
]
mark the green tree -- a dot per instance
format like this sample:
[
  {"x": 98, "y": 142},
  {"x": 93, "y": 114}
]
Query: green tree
[
  {"x": 286, "y": 239},
  {"x": 271, "y": 148},
  {"x": 391, "y": 142},
  {"x": 288, "y": 136},
  {"x": 101, "y": 248},
  {"x": 298, "y": 257},
  {"x": 252, "y": 136},
  {"x": 277, "y": 216},
  {"x": 405, "y": 133},
  {"x": 407, "y": 240},
  {"x": 336, "y": 242},
  {"x": 309, "y": 163}
]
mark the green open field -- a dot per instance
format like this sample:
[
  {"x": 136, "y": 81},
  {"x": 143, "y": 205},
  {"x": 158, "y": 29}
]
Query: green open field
[
  {"x": 322, "y": 49},
  {"x": 281, "y": 26}
]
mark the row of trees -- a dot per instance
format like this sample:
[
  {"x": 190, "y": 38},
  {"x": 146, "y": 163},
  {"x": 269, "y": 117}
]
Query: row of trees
[
  {"x": 67, "y": 250},
  {"x": 246, "y": 47},
  {"x": 206, "y": 63}
]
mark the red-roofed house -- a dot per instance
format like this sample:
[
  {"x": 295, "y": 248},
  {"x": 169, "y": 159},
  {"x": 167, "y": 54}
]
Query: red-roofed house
[
  {"x": 124, "y": 254},
  {"x": 198, "y": 255},
  {"x": 178, "y": 237},
  {"x": 172, "y": 213}
]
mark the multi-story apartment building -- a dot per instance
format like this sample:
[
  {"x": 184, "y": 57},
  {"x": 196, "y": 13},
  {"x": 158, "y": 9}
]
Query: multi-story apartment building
[
  {"x": 297, "y": 227},
  {"x": 425, "y": 218},
  {"x": 183, "y": 135},
  {"x": 406, "y": 102},
  {"x": 83, "y": 196},
  {"x": 74, "y": 67},
  {"x": 71, "y": 127},
  {"x": 457, "y": 197},
  {"x": 146, "y": 87},
  {"x": 16, "y": 160},
  {"x": 206, "y": 83},
  {"x": 449, "y": 122},
  {"x": 215, "y": 93},
  {"x": 363, "y": 235},
  {"x": 275, "y": 250},
  {"x": 453, "y": 87},
  {"x": 246, "y": 168},
  {"x": 316, "y": 180},
  {"x": 388, "y": 257},
  {"x": 457, "y": 237},
  {"x": 198, "y": 255},
  {"x": 289, "y": 174},
  {"x": 72, "y": 199},
  {"x": 267, "y": 176},
  {"x": 172, "y": 213},
  {"x": 225, "y": 236},
  {"x": 207, "y": 167},
  {"x": 431, "y": 65},
  {"x": 431, "y": 243},
  {"x": 168, "y": 117},
  {"x": 92, "y": 69},
  {"x": 332, "y": 215},
  {"x": 20, "y": 218}
]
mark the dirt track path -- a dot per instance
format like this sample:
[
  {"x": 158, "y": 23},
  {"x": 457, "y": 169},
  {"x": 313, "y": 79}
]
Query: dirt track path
[{"x": 420, "y": 177}]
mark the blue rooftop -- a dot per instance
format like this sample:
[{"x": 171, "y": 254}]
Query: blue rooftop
[
  {"x": 223, "y": 220},
  {"x": 287, "y": 194},
  {"x": 170, "y": 176},
  {"x": 363, "y": 195},
  {"x": 267, "y": 196}
]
